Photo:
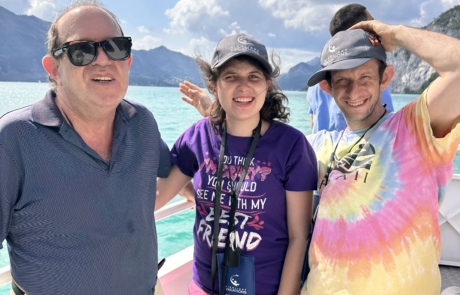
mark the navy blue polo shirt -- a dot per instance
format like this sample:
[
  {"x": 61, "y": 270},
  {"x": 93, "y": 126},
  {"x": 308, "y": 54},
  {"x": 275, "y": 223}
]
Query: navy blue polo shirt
[{"x": 74, "y": 223}]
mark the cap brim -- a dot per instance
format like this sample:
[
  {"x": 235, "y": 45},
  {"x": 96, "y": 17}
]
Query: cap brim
[
  {"x": 340, "y": 65},
  {"x": 267, "y": 65}
]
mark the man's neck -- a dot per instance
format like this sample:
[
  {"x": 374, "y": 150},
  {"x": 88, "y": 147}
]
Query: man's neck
[
  {"x": 97, "y": 133},
  {"x": 370, "y": 122}
]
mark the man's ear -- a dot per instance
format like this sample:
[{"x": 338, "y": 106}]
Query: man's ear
[
  {"x": 324, "y": 85},
  {"x": 387, "y": 76},
  {"x": 130, "y": 60},
  {"x": 50, "y": 65}
]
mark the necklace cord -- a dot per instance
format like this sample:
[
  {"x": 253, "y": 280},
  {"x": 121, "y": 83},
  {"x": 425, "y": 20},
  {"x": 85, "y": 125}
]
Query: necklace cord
[{"x": 333, "y": 155}]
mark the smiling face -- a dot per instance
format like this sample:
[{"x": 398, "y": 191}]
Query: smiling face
[
  {"x": 241, "y": 89},
  {"x": 99, "y": 86},
  {"x": 357, "y": 93}
]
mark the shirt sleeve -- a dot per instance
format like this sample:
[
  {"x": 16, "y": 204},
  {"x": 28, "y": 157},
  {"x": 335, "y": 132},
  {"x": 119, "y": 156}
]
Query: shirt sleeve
[
  {"x": 310, "y": 99},
  {"x": 182, "y": 154},
  {"x": 165, "y": 160},
  {"x": 386, "y": 99},
  {"x": 10, "y": 184},
  {"x": 301, "y": 167},
  {"x": 440, "y": 151}
]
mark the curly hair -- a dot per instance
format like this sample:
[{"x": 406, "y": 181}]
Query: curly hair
[
  {"x": 273, "y": 107},
  {"x": 53, "y": 34}
]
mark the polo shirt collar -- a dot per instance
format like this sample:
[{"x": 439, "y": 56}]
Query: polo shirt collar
[{"x": 46, "y": 112}]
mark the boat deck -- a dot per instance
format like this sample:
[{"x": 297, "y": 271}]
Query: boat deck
[{"x": 450, "y": 276}]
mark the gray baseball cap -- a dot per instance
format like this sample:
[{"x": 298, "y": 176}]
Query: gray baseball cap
[
  {"x": 240, "y": 44},
  {"x": 348, "y": 50}
]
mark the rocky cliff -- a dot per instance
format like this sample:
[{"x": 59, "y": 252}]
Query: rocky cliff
[{"x": 412, "y": 75}]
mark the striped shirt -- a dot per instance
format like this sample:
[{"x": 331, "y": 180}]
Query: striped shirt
[{"x": 76, "y": 224}]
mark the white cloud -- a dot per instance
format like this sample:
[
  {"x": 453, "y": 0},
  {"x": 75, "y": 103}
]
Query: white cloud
[
  {"x": 143, "y": 29},
  {"x": 428, "y": 10},
  {"x": 235, "y": 26},
  {"x": 187, "y": 13},
  {"x": 44, "y": 9},
  {"x": 271, "y": 35},
  {"x": 315, "y": 15},
  {"x": 232, "y": 29},
  {"x": 303, "y": 15},
  {"x": 146, "y": 43},
  {"x": 447, "y": 4},
  {"x": 199, "y": 47}
]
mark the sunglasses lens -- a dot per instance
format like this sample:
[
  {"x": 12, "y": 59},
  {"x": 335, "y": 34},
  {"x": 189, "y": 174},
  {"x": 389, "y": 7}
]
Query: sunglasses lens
[
  {"x": 84, "y": 53},
  {"x": 117, "y": 48},
  {"x": 81, "y": 54}
]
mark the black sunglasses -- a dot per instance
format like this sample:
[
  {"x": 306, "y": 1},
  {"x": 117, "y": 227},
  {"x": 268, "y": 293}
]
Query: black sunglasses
[{"x": 84, "y": 53}]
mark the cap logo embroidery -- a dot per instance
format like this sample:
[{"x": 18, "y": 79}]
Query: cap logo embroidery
[
  {"x": 243, "y": 41},
  {"x": 336, "y": 55},
  {"x": 332, "y": 48}
]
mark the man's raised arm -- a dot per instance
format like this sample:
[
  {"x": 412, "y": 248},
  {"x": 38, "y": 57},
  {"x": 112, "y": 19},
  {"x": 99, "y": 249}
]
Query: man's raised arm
[{"x": 439, "y": 51}]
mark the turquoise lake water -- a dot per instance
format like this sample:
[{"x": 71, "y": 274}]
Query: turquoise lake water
[{"x": 173, "y": 117}]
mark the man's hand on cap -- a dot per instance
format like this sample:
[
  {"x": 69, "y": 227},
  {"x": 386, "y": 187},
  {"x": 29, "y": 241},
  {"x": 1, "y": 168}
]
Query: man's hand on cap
[{"x": 383, "y": 31}]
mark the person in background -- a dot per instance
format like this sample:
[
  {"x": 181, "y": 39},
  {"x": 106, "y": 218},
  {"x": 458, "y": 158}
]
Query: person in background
[
  {"x": 78, "y": 168},
  {"x": 382, "y": 178},
  {"x": 324, "y": 112},
  {"x": 276, "y": 194}
]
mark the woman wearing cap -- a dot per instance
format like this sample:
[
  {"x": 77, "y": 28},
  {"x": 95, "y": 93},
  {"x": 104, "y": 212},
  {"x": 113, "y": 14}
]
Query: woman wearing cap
[{"x": 272, "y": 203}]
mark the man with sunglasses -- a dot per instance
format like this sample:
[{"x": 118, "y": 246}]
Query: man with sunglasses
[{"x": 78, "y": 169}]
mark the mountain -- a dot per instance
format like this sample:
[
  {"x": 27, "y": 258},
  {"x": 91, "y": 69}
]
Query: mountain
[
  {"x": 163, "y": 67},
  {"x": 22, "y": 48},
  {"x": 296, "y": 78},
  {"x": 24, "y": 45},
  {"x": 412, "y": 75}
]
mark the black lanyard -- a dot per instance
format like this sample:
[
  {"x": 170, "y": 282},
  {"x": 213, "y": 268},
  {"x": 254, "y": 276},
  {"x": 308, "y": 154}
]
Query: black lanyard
[{"x": 234, "y": 201}]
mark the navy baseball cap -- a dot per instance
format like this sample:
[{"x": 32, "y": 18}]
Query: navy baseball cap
[
  {"x": 348, "y": 50},
  {"x": 240, "y": 44}
]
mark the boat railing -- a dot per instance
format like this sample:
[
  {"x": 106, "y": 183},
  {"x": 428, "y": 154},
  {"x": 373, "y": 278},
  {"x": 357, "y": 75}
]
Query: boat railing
[
  {"x": 166, "y": 211},
  {"x": 173, "y": 208}
]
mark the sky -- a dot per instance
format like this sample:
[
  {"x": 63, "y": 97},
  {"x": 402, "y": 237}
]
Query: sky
[{"x": 296, "y": 30}]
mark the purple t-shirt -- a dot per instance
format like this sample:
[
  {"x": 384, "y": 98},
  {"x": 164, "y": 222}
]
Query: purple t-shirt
[{"x": 283, "y": 160}]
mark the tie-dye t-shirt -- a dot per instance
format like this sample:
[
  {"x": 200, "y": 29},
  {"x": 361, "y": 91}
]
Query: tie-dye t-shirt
[{"x": 377, "y": 228}]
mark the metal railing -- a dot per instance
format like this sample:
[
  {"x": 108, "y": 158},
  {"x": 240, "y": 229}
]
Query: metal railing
[{"x": 166, "y": 211}]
